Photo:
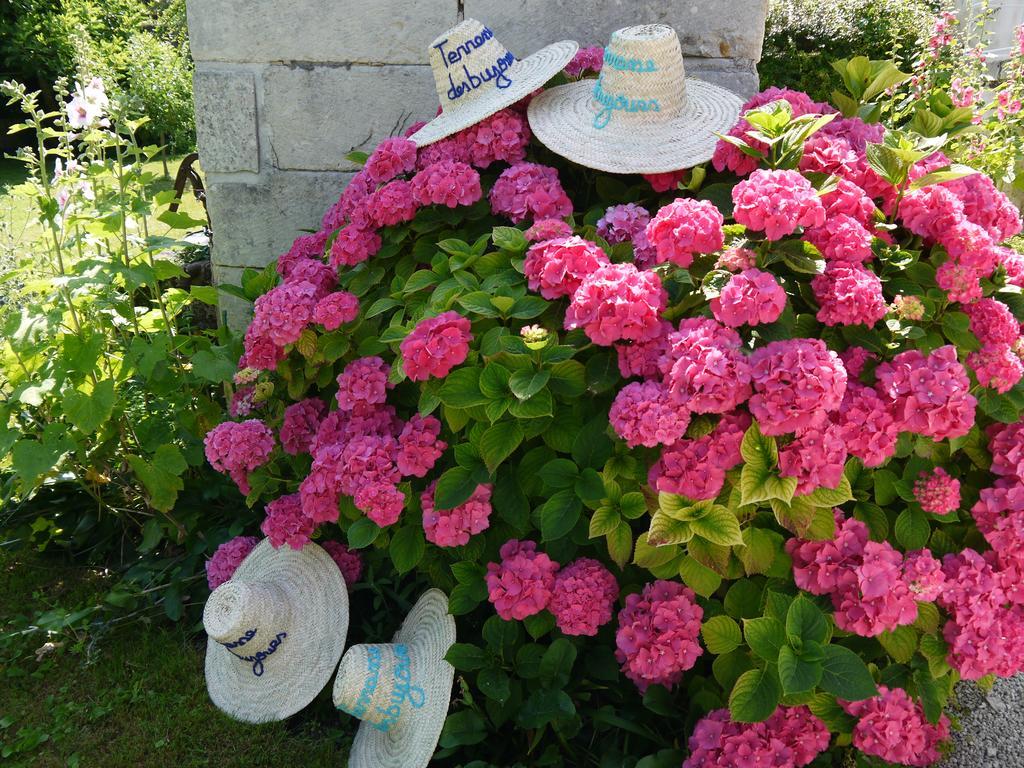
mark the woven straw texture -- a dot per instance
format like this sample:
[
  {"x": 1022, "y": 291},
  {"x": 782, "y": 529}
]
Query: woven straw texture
[
  {"x": 455, "y": 60},
  {"x": 642, "y": 115},
  {"x": 299, "y": 593},
  {"x": 427, "y": 633}
]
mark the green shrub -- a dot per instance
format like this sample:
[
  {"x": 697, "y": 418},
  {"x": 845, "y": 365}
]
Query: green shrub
[{"x": 803, "y": 37}]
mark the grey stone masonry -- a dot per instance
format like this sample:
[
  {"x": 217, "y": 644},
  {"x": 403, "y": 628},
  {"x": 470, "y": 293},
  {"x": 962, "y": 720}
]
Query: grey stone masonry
[{"x": 285, "y": 89}]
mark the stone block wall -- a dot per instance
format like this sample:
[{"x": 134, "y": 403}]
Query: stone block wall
[{"x": 284, "y": 89}]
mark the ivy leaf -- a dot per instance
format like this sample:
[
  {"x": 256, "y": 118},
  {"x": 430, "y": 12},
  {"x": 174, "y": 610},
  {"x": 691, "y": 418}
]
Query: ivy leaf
[
  {"x": 806, "y": 622},
  {"x": 766, "y": 636},
  {"x": 796, "y": 674},
  {"x": 755, "y": 696},
  {"x": 407, "y": 548},
  {"x": 845, "y": 675},
  {"x": 559, "y": 515},
  {"x": 719, "y": 526},
  {"x": 525, "y": 384},
  {"x": 721, "y": 635},
  {"x": 498, "y": 442}
]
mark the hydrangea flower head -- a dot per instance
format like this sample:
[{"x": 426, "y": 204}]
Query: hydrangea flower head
[
  {"x": 752, "y": 297},
  {"x": 893, "y": 727},
  {"x": 436, "y": 345},
  {"x": 391, "y": 204},
  {"x": 363, "y": 382},
  {"x": 930, "y": 394},
  {"x": 349, "y": 561},
  {"x": 704, "y": 367},
  {"x": 418, "y": 446},
  {"x": 225, "y": 561},
  {"x": 336, "y": 309},
  {"x": 790, "y": 738},
  {"x": 558, "y": 267},
  {"x": 617, "y": 302},
  {"x": 448, "y": 183},
  {"x": 849, "y": 294},
  {"x": 354, "y": 245},
  {"x": 686, "y": 227},
  {"x": 665, "y": 182},
  {"x": 622, "y": 223},
  {"x": 529, "y": 191},
  {"x": 776, "y": 203},
  {"x": 937, "y": 492},
  {"x": 643, "y": 414},
  {"x": 393, "y": 157},
  {"x": 454, "y": 527},
  {"x": 301, "y": 421},
  {"x": 797, "y": 383},
  {"x": 286, "y": 523},
  {"x": 842, "y": 238},
  {"x": 547, "y": 229},
  {"x": 586, "y": 60},
  {"x": 584, "y": 595},
  {"x": 501, "y": 137},
  {"x": 238, "y": 447},
  {"x": 522, "y": 583}
]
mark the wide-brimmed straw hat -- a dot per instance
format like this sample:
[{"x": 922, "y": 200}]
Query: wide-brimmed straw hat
[
  {"x": 476, "y": 76},
  {"x": 277, "y": 630},
  {"x": 400, "y": 691},
  {"x": 642, "y": 114}
]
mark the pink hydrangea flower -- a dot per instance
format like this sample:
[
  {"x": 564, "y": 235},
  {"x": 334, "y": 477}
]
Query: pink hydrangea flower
[
  {"x": 547, "y": 229},
  {"x": 322, "y": 276},
  {"x": 382, "y": 502},
  {"x": 930, "y": 395},
  {"x": 855, "y": 359},
  {"x": 847, "y": 199},
  {"x": 752, "y": 297},
  {"x": 558, "y": 267},
  {"x": 737, "y": 259},
  {"x": 696, "y": 468},
  {"x": 286, "y": 523},
  {"x": 704, "y": 367},
  {"x": 893, "y": 727},
  {"x": 842, "y": 238},
  {"x": 435, "y": 346},
  {"x": 446, "y": 183},
  {"x": 616, "y": 302},
  {"x": 454, "y": 527},
  {"x": 237, "y": 448},
  {"x": 279, "y": 317},
  {"x": 502, "y": 137},
  {"x": 960, "y": 282},
  {"x": 1006, "y": 444},
  {"x": 586, "y": 60},
  {"x": 364, "y": 381},
  {"x": 996, "y": 366},
  {"x": 353, "y": 246},
  {"x": 790, "y": 738},
  {"x": 301, "y": 421},
  {"x": 392, "y": 157},
  {"x": 529, "y": 191},
  {"x": 349, "y": 561},
  {"x": 522, "y": 583},
  {"x": 584, "y": 595},
  {"x": 359, "y": 188},
  {"x": 865, "y": 424},
  {"x": 225, "y": 561},
  {"x": 643, "y": 358},
  {"x": 992, "y": 322},
  {"x": 622, "y": 223},
  {"x": 336, "y": 309},
  {"x": 391, "y": 204},
  {"x": 657, "y": 638},
  {"x": 816, "y": 458},
  {"x": 986, "y": 206},
  {"x": 849, "y": 294},
  {"x": 777, "y": 202},
  {"x": 686, "y": 227},
  {"x": 418, "y": 446},
  {"x": 797, "y": 383},
  {"x": 643, "y": 414},
  {"x": 930, "y": 211},
  {"x": 664, "y": 182},
  {"x": 307, "y": 247},
  {"x": 732, "y": 158},
  {"x": 923, "y": 574},
  {"x": 937, "y": 492}
]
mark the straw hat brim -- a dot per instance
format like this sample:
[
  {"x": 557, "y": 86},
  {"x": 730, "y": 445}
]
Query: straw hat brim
[
  {"x": 527, "y": 76},
  {"x": 562, "y": 119},
  {"x": 303, "y": 664},
  {"x": 429, "y": 630}
]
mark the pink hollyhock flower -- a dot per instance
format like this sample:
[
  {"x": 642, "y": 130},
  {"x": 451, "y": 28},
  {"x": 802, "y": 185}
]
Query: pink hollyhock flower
[
  {"x": 865, "y": 424},
  {"x": 349, "y": 561},
  {"x": 558, "y": 267},
  {"x": 657, "y": 638},
  {"x": 737, "y": 259},
  {"x": 752, "y": 297},
  {"x": 893, "y": 727},
  {"x": 797, "y": 383},
  {"x": 353, "y": 246},
  {"x": 992, "y": 322},
  {"x": 586, "y": 60},
  {"x": 502, "y": 137},
  {"x": 454, "y": 527},
  {"x": 642, "y": 358},
  {"x": 704, "y": 367},
  {"x": 842, "y": 238},
  {"x": 435, "y": 346},
  {"x": 848, "y": 294},
  {"x": 446, "y": 183},
  {"x": 622, "y": 223},
  {"x": 790, "y": 738},
  {"x": 616, "y": 302},
  {"x": 237, "y": 448},
  {"x": 529, "y": 191},
  {"x": 418, "y": 446},
  {"x": 816, "y": 458},
  {"x": 225, "y": 561},
  {"x": 643, "y": 414},
  {"x": 381, "y": 502},
  {"x": 686, "y": 227},
  {"x": 937, "y": 493},
  {"x": 392, "y": 158},
  {"x": 364, "y": 381},
  {"x": 548, "y": 229},
  {"x": 286, "y": 523},
  {"x": 996, "y": 366},
  {"x": 664, "y": 182},
  {"x": 301, "y": 422},
  {"x": 336, "y": 309},
  {"x": 391, "y": 204},
  {"x": 930, "y": 394},
  {"x": 777, "y": 202},
  {"x": 583, "y": 597},
  {"x": 521, "y": 585}
]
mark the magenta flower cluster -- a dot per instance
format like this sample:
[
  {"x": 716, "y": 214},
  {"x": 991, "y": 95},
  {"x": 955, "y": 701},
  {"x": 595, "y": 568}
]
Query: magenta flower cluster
[
  {"x": 454, "y": 527},
  {"x": 893, "y": 727},
  {"x": 223, "y": 563},
  {"x": 791, "y": 737},
  {"x": 237, "y": 448}
]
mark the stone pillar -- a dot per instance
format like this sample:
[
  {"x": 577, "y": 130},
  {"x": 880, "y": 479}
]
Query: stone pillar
[{"x": 284, "y": 89}]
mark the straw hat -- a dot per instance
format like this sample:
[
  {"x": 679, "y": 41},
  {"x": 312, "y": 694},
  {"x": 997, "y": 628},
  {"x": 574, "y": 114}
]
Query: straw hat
[
  {"x": 642, "y": 115},
  {"x": 277, "y": 630},
  {"x": 476, "y": 76},
  {"x": 400, "y": 690}
]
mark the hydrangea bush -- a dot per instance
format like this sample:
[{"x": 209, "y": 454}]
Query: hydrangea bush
[{"x": 722, "y": 467}]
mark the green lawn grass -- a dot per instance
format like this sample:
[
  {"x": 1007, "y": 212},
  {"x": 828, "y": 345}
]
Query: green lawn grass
[{"x": 133, "y": 697}]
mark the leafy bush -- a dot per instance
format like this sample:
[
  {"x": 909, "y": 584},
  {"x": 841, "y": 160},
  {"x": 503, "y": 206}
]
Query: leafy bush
[
  {"x": 771, "y": 536},
  {"x": 803, "y": 38}
]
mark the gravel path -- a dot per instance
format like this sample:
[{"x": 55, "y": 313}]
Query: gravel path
[{"x": 992, "y": 726}]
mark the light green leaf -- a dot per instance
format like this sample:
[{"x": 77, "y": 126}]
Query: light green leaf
[
  {"x": 699, "y": 577},
  {"x": 620, "y": 544},
  {"x": 761, "y": 547},
  {"x": 765, "y": 636},
  {"x": 666, "y": 530},
  {"x": 90, "y": 411},
  {"x": 721, "y": 634},
  {"x": 719, "y": 526},
  {"x": 604, "y": 521},
  {"x": 900, "y": 643}
]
